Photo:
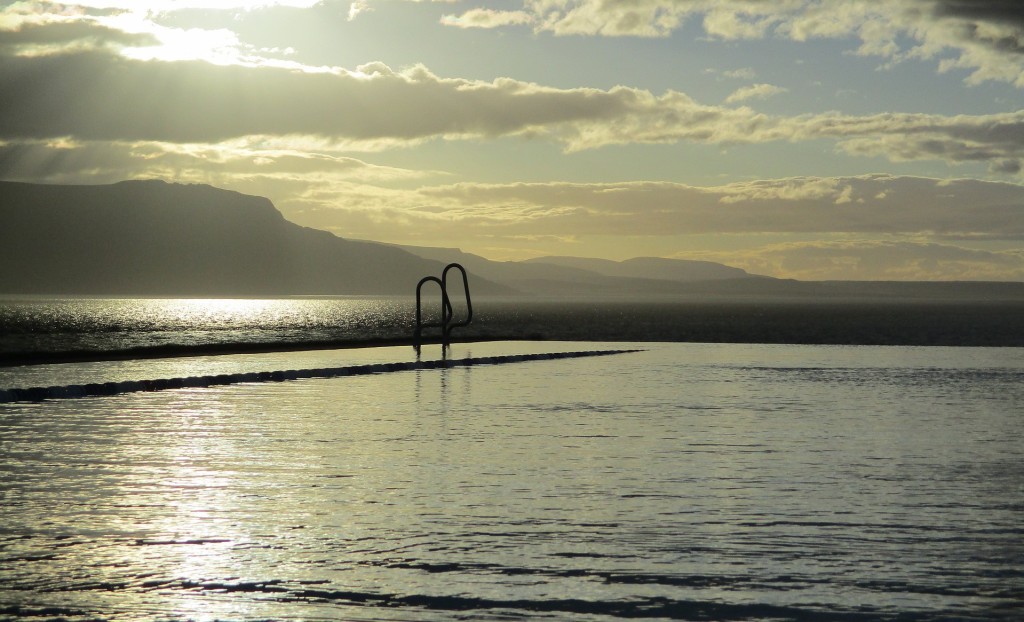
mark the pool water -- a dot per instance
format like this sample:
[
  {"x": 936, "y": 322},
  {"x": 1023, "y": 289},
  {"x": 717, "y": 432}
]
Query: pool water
[{"x": 682, "y": 481}]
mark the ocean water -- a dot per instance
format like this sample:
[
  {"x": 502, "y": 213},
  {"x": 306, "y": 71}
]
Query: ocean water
[
  {"x": 33, "y": 326},
  {"x": 681, "y": 481},
  {"x": 58, "y": 324}
]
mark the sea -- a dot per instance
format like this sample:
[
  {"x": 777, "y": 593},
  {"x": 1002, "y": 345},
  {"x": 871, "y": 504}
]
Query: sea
[{"x": 299, "y": 459}]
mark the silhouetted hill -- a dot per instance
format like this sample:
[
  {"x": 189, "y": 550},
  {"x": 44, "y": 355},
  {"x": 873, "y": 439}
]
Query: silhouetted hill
[
  {"x": 513, "y": 273},
  {"x": 156, "y": 238},
  {"x": 701, "y": 281},
  {"x": 586, "y": 276},
  {"x": 650, "y": 268},
  {"x": 583, "y": 277}
]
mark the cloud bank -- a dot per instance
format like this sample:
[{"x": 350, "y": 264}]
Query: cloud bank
[
  {"x": 63, "y": 65},
  {"x": 872, "y": 260},
  {"x": 881, "y": 205},
  {"x": 868, "y": 227},
  {"x": 877, "y": 204},
  {"x": 102, "y": 90},
  {"x": 374, "y": 107},
  {"x": 984, "y": 38}
]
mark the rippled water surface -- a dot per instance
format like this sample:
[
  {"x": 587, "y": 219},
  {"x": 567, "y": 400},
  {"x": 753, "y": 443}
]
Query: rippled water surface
[
  {"x": 685, "y": 481},
  {"x": 56, "y": 323},
  {"x": 34, "y": 325}
]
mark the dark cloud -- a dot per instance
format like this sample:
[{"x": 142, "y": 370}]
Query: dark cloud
[
  {"x": 100, "y": 96},
  {"x": 92, "y": 93},
  {"x": 1004, "y": 43},
  {"x": 71, "y": 34},
  {"x": 1009, "y": 167},
  {"x": 31, "y": 161},
  {"x": 232, "y": 165},
  {"x": 997, "y": 11}
]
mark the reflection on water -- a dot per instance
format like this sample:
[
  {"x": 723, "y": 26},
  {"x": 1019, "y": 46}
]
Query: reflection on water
[
  {"x": 90, "y": 325},
  {"x": 683, "y": 482},
  {"x": 59, "y": 324}
]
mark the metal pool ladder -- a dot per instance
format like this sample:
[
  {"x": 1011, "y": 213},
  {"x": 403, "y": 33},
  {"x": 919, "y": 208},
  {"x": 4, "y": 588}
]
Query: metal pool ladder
[{"x": 447, "y": 314}]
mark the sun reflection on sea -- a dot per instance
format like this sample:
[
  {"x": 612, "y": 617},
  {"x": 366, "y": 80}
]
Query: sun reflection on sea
[
  {"x": 104, "y": 324},
  {"x": 272, "y": 313},
  {"x": 235, "y": 308}
]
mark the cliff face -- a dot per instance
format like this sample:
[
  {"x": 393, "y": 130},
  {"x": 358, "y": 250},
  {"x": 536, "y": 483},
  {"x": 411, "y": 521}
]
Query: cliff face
[{"x": 155, "y": 238}]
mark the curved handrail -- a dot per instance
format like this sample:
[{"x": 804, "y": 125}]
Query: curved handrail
[
  {"x": 447, "y": 312},
  {"x": 469, "y": 303},
  {"x": 445, "y": 306}
]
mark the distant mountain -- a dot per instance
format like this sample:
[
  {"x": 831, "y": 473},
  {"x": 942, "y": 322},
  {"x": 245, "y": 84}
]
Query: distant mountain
[
  {"x": 139, "y": 238},
  {"x": 156, "y": 238},
  {"x": 650, "y": 268},
  {"x": 701, "y": 281},
  {"x": 509, "y": 272},
  {"x": 579, "y": 276}
]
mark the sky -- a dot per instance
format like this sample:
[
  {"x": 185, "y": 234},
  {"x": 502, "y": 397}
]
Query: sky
[{"x": 791, "y": 138}]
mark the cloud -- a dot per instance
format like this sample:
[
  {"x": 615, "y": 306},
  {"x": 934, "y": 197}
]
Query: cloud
[
  {"x": 60, "y": 67},
  {"x": 42, "y": 37},
  {"x": 869, "y": 227},
  {"x": 133, "y": 30},
  {"x": 876, "y": 204},
  {"x": 69, "y": 95},
  {"x": 374, "y": 107},
  {"x": 823, "y": 189},
  {"x": 33, "y": 29},
  {"x": 870, "y": 260},
  {"x": 984, "y": 38},
  {"x": 997, "y": 138},
  {"x": 261, "y": 165},
  {"x": 738, "y": 20},
  {"x": 744, "y": 73},
  {"x": 754, "y": 91},
  {"x": 355, "y": 8},
  {"x": 168, "y": 6},
  {"x": 633, "y": 18},
  {"x": 1008, "y": 167},
  {"x": 998, "y": 11},
  {"x": 487, "y": 18}
]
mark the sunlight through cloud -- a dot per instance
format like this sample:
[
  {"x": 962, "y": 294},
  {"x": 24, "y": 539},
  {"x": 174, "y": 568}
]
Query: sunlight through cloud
[{"x": 487, "y": 125}]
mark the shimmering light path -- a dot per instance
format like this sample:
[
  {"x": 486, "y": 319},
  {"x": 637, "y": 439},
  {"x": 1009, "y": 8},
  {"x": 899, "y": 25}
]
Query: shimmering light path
[{"x": 93, "y": 389}]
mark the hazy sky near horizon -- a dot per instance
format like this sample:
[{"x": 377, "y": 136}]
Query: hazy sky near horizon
[{"x": 792, "y": 138}]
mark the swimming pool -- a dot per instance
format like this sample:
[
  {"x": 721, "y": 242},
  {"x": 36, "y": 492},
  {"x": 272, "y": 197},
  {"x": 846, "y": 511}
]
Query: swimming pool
[{"x": 681, "y": 481}]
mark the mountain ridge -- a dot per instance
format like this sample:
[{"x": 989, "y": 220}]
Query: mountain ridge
[
  {"x": 151, "y": 237},
  {"x": 650, "y": 267},
  {"x": 580, "y": 276}
]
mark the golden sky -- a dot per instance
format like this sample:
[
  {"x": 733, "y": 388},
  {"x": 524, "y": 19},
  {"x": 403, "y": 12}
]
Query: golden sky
[{"x": 803, "y": 139}]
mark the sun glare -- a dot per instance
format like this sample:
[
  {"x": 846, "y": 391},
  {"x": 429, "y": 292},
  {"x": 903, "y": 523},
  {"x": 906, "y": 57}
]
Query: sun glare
[
  {"x": 219, "y": 46},
  {"x": 168, "y": 6},
  {"x": 234, "y": 308}
]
